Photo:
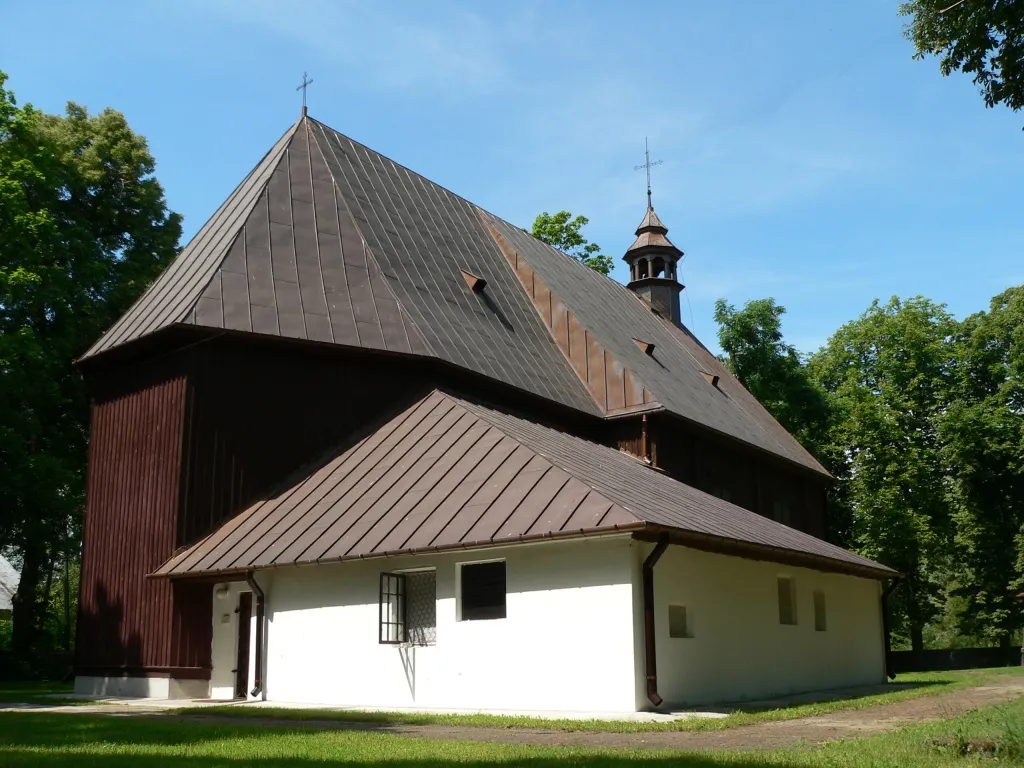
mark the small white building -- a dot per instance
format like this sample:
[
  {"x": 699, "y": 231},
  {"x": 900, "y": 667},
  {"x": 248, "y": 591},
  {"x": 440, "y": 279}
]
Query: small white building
[{"x": 517, "y": 582}]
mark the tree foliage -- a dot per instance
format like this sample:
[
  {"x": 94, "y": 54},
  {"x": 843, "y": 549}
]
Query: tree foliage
[
  {"x": 921, "y": 420},
  {"x": 888, "y": 377},
  {"x": 983, "y": 38},
  {"x": 85, "y": 229},
  {"x": 770, "y": 368},
  {"x": 562, "y": 231}
]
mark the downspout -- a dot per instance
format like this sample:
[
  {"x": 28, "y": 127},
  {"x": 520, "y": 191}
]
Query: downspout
[
  {"x": 650, "y": 654},
  {"x": 261, "y": 618},
  {"x": 885, "y": 627}
]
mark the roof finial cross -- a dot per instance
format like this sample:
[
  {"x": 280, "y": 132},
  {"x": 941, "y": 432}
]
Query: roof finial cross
[
  {"x": 306, "y": 82},
  {"x": 647, "y": 166}
]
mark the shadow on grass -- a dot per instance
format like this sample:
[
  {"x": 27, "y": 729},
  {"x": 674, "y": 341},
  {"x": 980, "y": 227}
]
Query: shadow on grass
[
  {"x": 826, "y": 697},
  {"x": 119, "y": 742}
]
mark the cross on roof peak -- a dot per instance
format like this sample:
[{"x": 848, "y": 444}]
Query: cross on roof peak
[
  {"x": 647, "y": 166},
  {"x": 306, "y": 82}
]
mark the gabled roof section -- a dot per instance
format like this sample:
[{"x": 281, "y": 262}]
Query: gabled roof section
[
  {"x": 674, "y": 373},
  {"x": 448, "y": 473},
  {"x": 329, "y": 241},
  {"x": 282, "y": 257}
]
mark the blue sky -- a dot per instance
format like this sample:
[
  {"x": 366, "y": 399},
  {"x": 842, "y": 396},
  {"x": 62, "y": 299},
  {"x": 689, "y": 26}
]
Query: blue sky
[{"x": 806, "y": 155}]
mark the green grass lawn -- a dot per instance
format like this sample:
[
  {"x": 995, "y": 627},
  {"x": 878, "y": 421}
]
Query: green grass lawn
[
  {"x": 35, "y": 693},
  {"x": 31, "y": 739},
  {"x": 907, "y": 686}
]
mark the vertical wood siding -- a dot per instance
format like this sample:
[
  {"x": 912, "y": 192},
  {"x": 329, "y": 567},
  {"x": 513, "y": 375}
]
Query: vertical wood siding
[{"x": 129, "y": 528}]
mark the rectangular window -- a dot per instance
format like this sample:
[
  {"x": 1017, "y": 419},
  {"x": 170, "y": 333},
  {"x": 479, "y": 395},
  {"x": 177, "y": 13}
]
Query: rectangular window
[
  {"x": 782, "y": 513},
  {"x": 677, "y": 622},
  {"x": 392, "y": 629},
  {"x": 421, "y": 607},
  {"x": 819, "y": 611},
  {"x": 483, "y": 591},
  {"x": 787, "y": 600}
]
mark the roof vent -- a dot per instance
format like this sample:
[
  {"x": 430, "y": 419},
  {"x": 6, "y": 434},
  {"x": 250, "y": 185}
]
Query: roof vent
[
  {"x": 712, "y": 378},
  {"x": 646, "y": 346},
  {"x": 476, "y": 284}
]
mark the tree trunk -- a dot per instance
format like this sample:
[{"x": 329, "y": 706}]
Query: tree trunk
[
  {"x": 25, "y": 614},
  {"x": 916, "y": 638},
  {"x": 67, "y": 606}
]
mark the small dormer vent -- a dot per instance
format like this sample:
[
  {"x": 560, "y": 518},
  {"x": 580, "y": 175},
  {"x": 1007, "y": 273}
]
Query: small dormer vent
[
  {"x": 646, "y": 346},
  {"x": 711, "y": 378},
  {"x": 476, "y": 284}
]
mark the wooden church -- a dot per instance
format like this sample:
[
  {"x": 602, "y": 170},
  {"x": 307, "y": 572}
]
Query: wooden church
[{"x": 364, "y": 443}]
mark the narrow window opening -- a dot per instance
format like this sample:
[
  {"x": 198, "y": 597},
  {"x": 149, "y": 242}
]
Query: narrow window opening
[
  {"x": 787, "y": 600},
  {"x": 482, "y": 591},
  {"x": 658, "y": 268},
  {"x": 678, "y": 625},
  {"x": 392, "y": 629},
  {"x": 819, "y": 611},
  {"x": 642, "y": 269}
]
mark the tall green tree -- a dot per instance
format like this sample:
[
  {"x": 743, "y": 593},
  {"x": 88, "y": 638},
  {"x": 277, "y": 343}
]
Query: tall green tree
[
  {"x": 84, "y": 228},
  {"x": 981, "y": 432},
  {"x": 982, "y": 38},
  {"x": 888, "y": 375},
  {"x": 562, "y": 231},
  {"x": 757, "y": 354}
]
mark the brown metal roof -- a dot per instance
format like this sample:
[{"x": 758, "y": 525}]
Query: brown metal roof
[
  {"x": 330, "y": 241},
  {"x": 448, "y": 473},
  {"x": 674, "y": 373}
]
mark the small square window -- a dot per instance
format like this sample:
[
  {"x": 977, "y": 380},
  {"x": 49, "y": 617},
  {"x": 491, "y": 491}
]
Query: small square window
[
  {"x": 787, "y": 600},
  {"x": 677, "y": 621},
  {"x": 819, "y": 611},
  {"x": 483, "y": 591}
]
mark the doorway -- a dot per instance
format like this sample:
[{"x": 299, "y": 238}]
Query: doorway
[{"x": 242, "y": 657}]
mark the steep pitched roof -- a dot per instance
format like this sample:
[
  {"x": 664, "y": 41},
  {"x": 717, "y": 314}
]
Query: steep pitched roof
[
  {"x": 674, "y": 372},
  {"x": 448, "y": 473},
  {"x": 329, "y": 241}
]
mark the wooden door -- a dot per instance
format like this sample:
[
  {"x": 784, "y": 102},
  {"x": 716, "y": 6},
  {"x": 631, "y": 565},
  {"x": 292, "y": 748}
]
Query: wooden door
[{"x": 242, "y": 666}]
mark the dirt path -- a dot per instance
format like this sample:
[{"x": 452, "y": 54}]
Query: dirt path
[{"x": 776, "y": 734}]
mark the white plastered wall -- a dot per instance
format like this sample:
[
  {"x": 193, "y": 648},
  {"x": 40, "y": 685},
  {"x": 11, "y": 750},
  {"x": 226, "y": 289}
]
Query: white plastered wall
[
  {"x": 738, "y": 649},
  {"x": 224, "y": 651},
  {"x": 566, "y": 643}
]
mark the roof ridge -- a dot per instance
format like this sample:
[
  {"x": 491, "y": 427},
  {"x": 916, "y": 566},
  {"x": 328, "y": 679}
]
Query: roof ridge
[
  {"x": 407, "y": 321},
  {"x": 145, "y": 316}
]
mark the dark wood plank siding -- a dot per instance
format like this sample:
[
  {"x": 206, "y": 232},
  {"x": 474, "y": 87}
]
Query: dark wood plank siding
[
  {"x": 129, "y": 527},
  {"x": 256, "y": 415},
  {"x": 727, "y": 469}
]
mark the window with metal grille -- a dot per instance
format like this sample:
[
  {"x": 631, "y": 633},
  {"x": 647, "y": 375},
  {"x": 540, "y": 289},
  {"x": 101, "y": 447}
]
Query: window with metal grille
[
  {"x": 819, "y": 611},
  {"x": 421, "y": 607},
  {"x": 483, "y": 591},
  {"x": 392, "y": 608},
  {"x": 787, "y": 600}
]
